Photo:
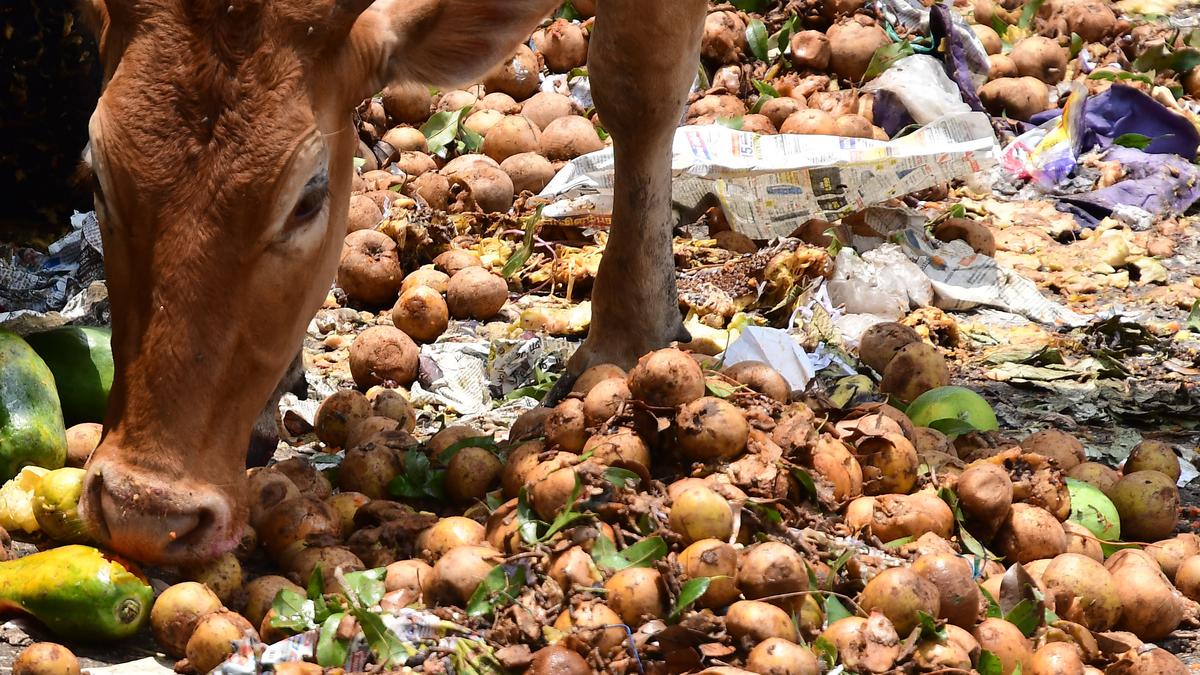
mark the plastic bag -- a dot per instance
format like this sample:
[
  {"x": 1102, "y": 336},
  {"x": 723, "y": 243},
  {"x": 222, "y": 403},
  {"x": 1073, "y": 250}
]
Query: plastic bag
[{"x": 920, "y": 83}]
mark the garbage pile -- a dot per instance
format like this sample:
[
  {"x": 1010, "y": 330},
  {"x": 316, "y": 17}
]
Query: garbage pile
[{"x": 940, "y": 400}]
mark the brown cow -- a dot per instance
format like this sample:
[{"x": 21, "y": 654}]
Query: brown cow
[{"x": 222, "y": 148}]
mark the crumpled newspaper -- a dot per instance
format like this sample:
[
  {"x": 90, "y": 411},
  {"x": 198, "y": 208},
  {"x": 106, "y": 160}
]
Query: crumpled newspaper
[
  {"x": 963, "y": 279},
  {"x": 32, "y": 282},
  {"x": 465, "y": 374},
  {"x": 769, "y": 185}
]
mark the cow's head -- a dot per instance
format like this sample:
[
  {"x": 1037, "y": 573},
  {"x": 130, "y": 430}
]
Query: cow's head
[{"x": 222, "y": 148}]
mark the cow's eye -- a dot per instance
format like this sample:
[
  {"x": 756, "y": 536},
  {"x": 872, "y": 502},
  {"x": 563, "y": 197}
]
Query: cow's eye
[{"x": 312, "y": 198}]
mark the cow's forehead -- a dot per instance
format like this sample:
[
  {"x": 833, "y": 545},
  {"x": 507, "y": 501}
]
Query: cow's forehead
[{"x": 188, "y": 113}]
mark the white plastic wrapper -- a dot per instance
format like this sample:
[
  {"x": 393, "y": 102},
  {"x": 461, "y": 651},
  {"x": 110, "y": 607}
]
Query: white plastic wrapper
[
  {"x": 769, "y": 185},
  {"x": 775, "y": 347}
]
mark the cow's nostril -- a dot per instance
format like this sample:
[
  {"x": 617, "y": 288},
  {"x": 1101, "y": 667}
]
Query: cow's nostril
[{"x": 147, "y": 519}]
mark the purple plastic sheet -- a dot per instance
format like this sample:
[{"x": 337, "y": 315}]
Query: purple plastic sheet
[
  {"x": 1125, "y": 110},
  {"x": 955, "y": 59},
  {"x": 1160, "y": 184}
]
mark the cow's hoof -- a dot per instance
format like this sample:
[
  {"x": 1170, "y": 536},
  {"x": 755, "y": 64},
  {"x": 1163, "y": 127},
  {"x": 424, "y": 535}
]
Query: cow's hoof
[{"x": 560, "y": 389}]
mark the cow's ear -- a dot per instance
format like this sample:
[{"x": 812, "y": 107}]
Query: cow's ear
[{"x": 440, "y": 42}]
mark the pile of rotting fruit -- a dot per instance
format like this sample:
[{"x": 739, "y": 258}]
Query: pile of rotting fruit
[
  {"x": 689, "y": 515},
  {"x": 675, "y": 518}
]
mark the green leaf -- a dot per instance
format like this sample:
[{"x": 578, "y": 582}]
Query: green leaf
[
  {"x": 835, "y": 610},
  {"x": 1115, "y": 75},
  {"x": 418, "y": 480},
  {"x": 331, "y": 652},
  {"x": 500, "y": 586},
  {"x": 826, "y": 650},
  {"x": 441, "y": 129},
  {"x": 719, "y": 389},
  {"x": 621, "y": 477},
  {"x": 782, "y": 38},
  {"x": 841, "y": 561},
  {"x": 989, "y": 664},
  {"x": 757, "y": 38},
  {"x": 293, "y": 612},
  {"x": 734, "y": 123},
  {"x": 568, "y": 515},
  {"x": 957, "y": 211},
  {"x": 568, "y": 12},
  {"x": 930, "y": 630},
  {"x": 885, "y": 56},
  {"x": 755, "y": 6},
  {"x": 1193, "y": 320},
  {"x": 766, "y": 512},
  {"x": 387, "y": 648},
  {"x": 999, "y": 26},
  {"x": 1028, "y": 14},
  {"x": 485, "y": 442},
  {"x": 806, "y": 482},
  {"x": 471, "y": 141},
  {"x": 641, "y": 554},
  {"x": 1025, "y": 616},
  {"x": 1160, "y": 57},
  {"x": 518, "y": 258},
  {"x": 527, "y": 523},
  {"x": 897, "y": 543},
  {"x": 360, "y": 162},
  {"x": 953, "y": 427},
  {"x": 1137, "y": 141},
  {"x": 316, "y": 593},
  {"x": 1076, "y": 44},
  {"x": 993, "y": 607},
  {"x": 689, "y": 593},
  {"x": 367, "y": 585}
]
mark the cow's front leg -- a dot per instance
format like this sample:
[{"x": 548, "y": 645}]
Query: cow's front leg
[{"x": 642, "y": 61}]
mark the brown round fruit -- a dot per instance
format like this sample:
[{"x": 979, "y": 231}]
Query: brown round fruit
[
  {"x": 915, "y": 369},
  {"x": 1083, "y": 591},
  {"x": 1030, "y": 533},
  {"x": 718, "y": 561},
  {"x": 260, "y": 594},
  {"x": 750, "y": 622},
  {"x": 666, "y": 378},
  {"x": 176, "y": 612},
  {"x": 421, "y": 313},
  {"x": 369, "y": 268},
  {"x": 881, "y": 342},
  {"x": 636, "y": 594},
  {"x": 459, "y": 572},
  {"x": 336, "y": 414},
  {"x": 777, "y": 656},
  {"x": 699, "y": 513},
  {"x": 900, "y": 594},
  {"x": 1063, "y": 448},
  {"x": 1148, "y": 503},
  {"x": 762, "y": 378},
  {"x": 471, "y": 473},
  {"x": 476, "y": 293},
  {"x": 958, "y": 595},
  {"x": 45, "y": 658},
  {"x": 1152, "y": 455},
  {"x": 710, "y": 429},
  {"x": 383, "y": 354},
  {"x": 82, "y": 439},
  {"x": 1005, "y": 641},
  {"x": 212, "y": 640}
]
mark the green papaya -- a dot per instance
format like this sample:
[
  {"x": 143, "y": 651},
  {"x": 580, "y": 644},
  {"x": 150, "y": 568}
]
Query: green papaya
[
  {"x": 32, "y": 432},
  {"x": 78, "y": 592},
  {"x": 81, "y": 359}
]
